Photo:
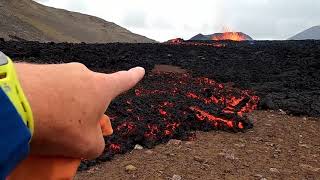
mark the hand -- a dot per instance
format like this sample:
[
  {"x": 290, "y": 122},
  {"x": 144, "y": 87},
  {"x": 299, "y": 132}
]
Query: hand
[{"x": 68, "y": 101}]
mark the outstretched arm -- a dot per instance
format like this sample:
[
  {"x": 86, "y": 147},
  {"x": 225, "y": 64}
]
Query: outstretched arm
[{"x": 67, "y": 101}]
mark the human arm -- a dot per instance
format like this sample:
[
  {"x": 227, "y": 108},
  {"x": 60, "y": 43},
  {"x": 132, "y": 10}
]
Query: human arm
[{"x": 67, "y": 101}]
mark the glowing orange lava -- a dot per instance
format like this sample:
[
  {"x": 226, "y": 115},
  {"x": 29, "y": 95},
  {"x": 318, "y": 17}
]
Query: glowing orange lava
[{"x": 228, "y": 34}]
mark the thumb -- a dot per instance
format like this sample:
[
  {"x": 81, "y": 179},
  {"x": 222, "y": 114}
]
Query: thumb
[
  {"x": 106, "y": 126},
  {"x": 122, "y": 81}
]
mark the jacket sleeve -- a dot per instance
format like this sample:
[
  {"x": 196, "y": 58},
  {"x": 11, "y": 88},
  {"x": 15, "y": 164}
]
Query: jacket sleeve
[{"x": 14, "y": 137}]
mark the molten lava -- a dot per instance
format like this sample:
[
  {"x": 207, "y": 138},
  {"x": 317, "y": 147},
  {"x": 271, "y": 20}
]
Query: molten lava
[
  {"x": 233, "y": 36},
  {"x": 176, "y": 41},
  {"x": 229, "y": 35},
  {"x": 179, "y": 41},
  {"x": 167, "y": 105}
]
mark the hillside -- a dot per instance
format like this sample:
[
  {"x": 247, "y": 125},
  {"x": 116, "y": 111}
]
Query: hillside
[
  {"x": 201, "y": 37},
  {"x": 311, "y": 33},
  {"x": 29, "y": 20}
]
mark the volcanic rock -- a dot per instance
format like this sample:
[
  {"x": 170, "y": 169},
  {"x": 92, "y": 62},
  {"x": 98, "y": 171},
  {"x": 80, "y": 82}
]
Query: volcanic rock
[
  {"x": 149, "y": 151},
  {"x": 290, "y": 82},
  {"x": 274, "y": 170},
  {"x": 240, "y": 145},
  {"x": 189, "y": 143},
  {"x": 130, "y": 168},
  {"x": 282, "y": 112},
  {"x": 258, "y": 176},
  {"x": 138, "y": 147},
  {"x": 309, "y": 168},
  {"x": 174, "y": 142},
  {"x": 227, "y": 154},
  {"x": 176, "y": 177},
  {"x": 199, "y": 159}
]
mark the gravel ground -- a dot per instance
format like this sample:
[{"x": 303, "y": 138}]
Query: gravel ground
[{"x": 278, "y": 147}]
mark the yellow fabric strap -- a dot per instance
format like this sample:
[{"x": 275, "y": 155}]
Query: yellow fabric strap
[{"x": 10, "y": 84}]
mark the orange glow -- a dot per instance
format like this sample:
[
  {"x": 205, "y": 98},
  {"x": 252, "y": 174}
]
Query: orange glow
[
  {"x": 240, "y": 125},
  {"x": 201, "y": 115},
  {"x": 180, "y": 41},
  {"x": 176, "y": 41},
  {"x": 162, "y": 112},
  {"x": 126, "y": 125},
  {"x": 171, "y": 127},
  {"x": 152, "y": 131},
  {"x": 115, "y": 147},
  {"x": 192, "y": 95},
  {"x": 228, "y": 34}
]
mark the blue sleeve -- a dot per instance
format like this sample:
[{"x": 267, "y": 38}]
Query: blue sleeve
[{"x": 14, "y": 137}]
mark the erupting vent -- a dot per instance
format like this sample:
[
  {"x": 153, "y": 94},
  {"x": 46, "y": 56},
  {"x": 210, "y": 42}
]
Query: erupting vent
[
  {"x": 228, "y": 34},
  {"x": 233, "y": 36},
  {"x": 166, "y": 106}
]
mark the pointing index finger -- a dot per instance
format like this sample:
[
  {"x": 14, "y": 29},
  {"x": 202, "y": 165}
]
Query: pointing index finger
[{"x": 122, "y": 81}]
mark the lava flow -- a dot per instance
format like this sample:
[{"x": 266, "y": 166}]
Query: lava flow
[
  {"x": 166, "y": 106},
  {"x": 180, "y": 41},
  {"x": 233, "y": 36},
  {"x": 229, "y": 35}
]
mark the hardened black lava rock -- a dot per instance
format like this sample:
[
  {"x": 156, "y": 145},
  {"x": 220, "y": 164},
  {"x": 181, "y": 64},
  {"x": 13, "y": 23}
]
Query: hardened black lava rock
[
  {"x": 285, "y": 74},
  {"x": 172, "y": 106}
]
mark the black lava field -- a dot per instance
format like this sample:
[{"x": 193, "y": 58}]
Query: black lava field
[
  {"x": 284, "y": 74},
  {"x": 224, "y": 82}
]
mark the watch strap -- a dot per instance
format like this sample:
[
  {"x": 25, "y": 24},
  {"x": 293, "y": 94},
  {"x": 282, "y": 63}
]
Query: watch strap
[{"x": 14, "y": 136}]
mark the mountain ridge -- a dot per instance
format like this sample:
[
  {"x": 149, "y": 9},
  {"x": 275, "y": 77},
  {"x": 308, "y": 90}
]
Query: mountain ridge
[
  {"x": 308, "y": 34},
  {"x": 29, "y": 20}
]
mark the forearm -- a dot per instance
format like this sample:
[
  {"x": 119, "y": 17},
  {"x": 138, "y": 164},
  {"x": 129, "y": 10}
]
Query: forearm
[{"x": 67, "y": 101}]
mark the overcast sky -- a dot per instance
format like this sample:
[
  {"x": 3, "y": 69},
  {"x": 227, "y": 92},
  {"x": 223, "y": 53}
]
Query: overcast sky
[{"x": 166, "y": 19}]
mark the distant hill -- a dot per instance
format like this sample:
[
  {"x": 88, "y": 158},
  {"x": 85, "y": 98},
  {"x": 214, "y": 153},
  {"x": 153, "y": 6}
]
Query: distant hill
[
  {"x": 201, "y": 37},
  {"x": 29, "y": 20},
  {"x": 311, "y": 33},
  {"x": 221, "y": 36}
]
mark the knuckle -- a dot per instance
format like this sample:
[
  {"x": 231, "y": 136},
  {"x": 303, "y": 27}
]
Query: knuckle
[{"x": 79, "y": 65}]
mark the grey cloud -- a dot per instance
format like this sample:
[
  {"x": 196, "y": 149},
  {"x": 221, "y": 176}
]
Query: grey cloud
[
  {"x": 135, "y": 19},
  {"x": 277, "y": 19},
  {"x": 161, "y": 24}
]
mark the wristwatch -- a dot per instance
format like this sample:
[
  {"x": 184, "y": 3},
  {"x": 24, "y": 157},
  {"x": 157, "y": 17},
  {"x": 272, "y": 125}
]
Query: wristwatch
[
  {"x": 16, "y": 120},
  {"x": 10, "y": 85}
]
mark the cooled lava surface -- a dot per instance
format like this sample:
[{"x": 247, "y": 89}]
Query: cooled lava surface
[{"x": 284, "y": 74}]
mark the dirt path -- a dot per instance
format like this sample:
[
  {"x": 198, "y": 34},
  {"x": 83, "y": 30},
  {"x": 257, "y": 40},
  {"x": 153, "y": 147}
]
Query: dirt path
[{"x": 279, "y": 147}]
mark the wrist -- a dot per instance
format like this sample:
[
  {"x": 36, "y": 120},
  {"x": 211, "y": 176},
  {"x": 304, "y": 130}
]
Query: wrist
[{"x": 30, "y": 87}]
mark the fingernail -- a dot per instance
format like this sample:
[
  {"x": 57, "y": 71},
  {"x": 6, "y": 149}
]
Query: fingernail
[{"x": 137, "y": 68}]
